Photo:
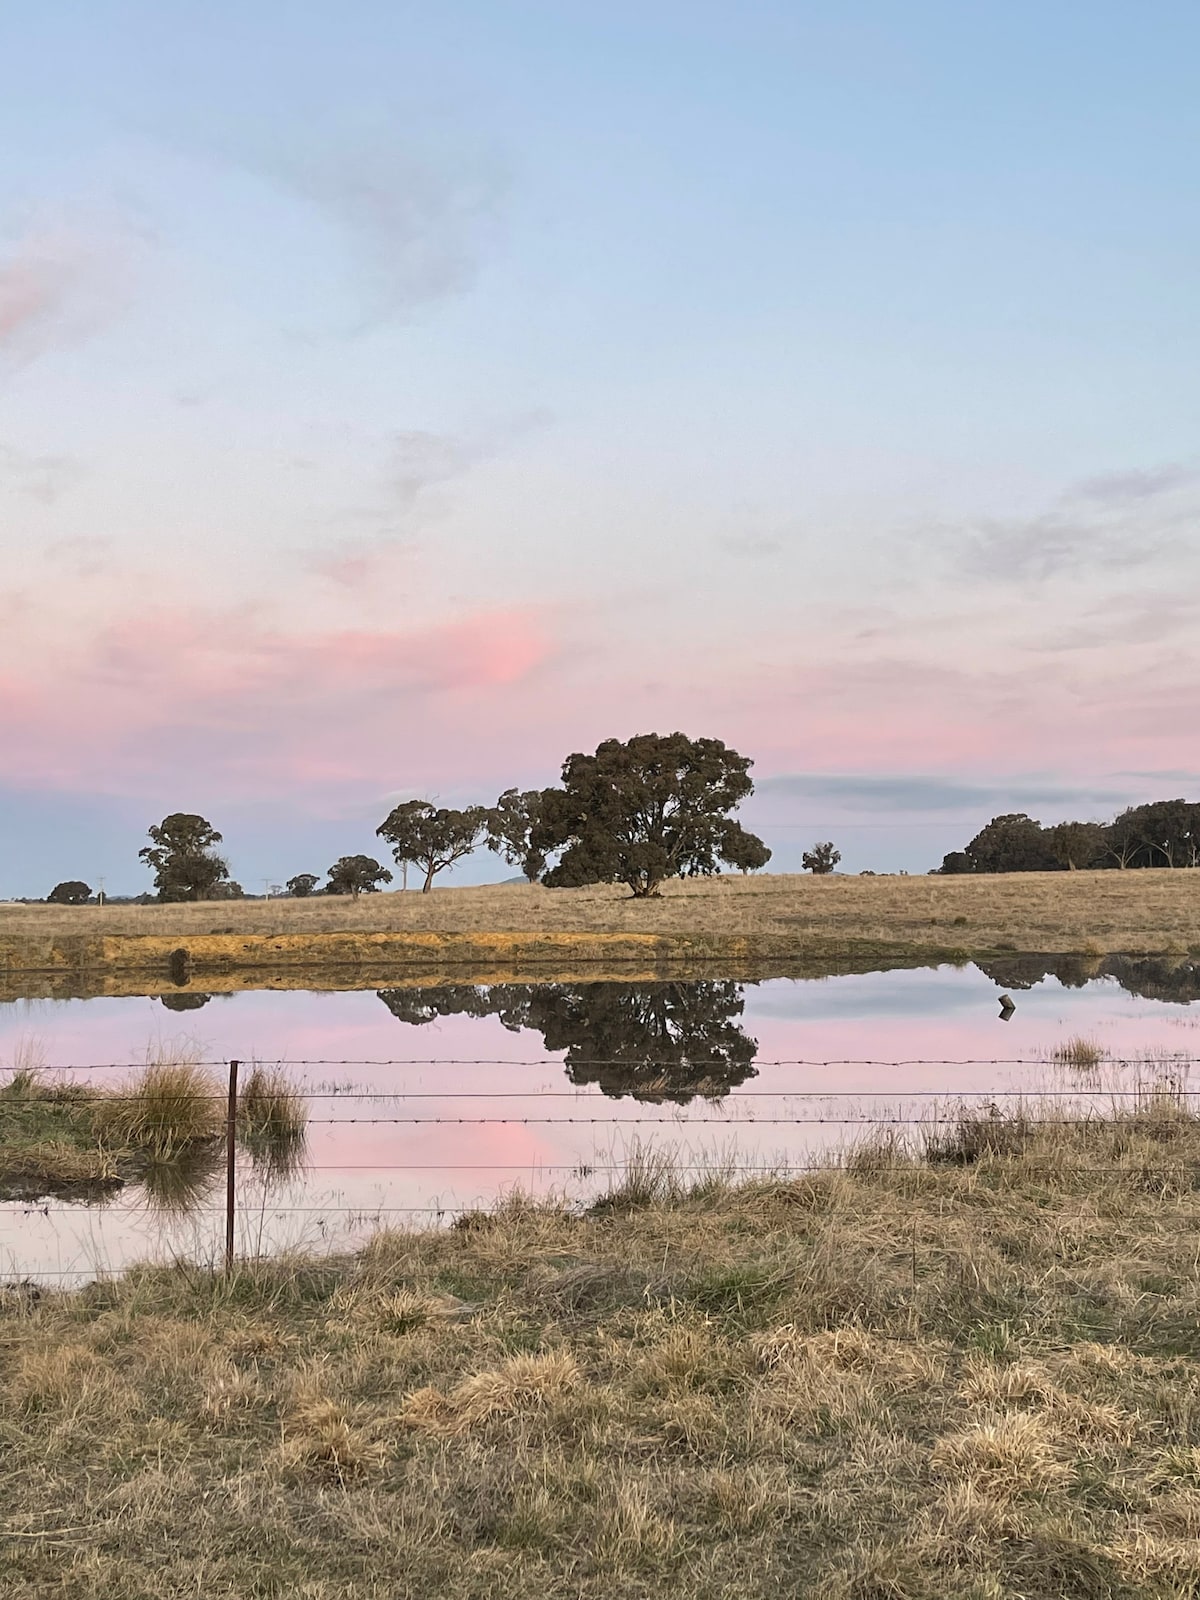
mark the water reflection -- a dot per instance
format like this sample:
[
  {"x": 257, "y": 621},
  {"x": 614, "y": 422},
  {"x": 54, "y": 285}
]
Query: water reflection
[
  {"x": 1175, "y": 979},
  {"x": 184, "y": 1002},
  {"x": 653, "y": 1041},
  {"x": 175, "y": 1185}
]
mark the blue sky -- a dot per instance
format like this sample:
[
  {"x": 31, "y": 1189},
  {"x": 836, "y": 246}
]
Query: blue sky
[{"x": 395, "y": 398}]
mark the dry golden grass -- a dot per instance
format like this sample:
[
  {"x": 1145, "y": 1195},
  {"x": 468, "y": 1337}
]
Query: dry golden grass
[
  {"x": 1078, "y": 912},
  {"x": 1078, "y": 1051},
  {"x": 976, "y": 1375},
  {"x": 172, "y": 1104}
]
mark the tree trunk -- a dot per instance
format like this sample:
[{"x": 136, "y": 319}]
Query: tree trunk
[{"x": 428, "y": 884}]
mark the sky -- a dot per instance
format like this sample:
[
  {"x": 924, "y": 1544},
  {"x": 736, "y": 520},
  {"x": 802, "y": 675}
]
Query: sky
[{"x": 395, "y": 398}]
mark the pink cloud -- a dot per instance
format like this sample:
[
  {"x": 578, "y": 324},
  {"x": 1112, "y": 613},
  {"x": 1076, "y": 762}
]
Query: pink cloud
[
  {"x": 229, "y": 705},
  {"x": 58, "y": 285},
  {"x": 247, "y": 708}
]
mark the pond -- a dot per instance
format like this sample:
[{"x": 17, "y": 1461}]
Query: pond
[{"x": 423, "y": 1102}]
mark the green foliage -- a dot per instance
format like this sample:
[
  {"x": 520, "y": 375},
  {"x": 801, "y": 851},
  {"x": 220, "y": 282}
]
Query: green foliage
[
  {"x": 433, "y": 837},
  {"x": 1161, "y": 833},
  {"x": 302, "y": 885},
  {"x": 355, "y": 875},
  {"x": 1076, "y": 845},
  {"x": 511, "y": 825},
  {"x": 646, "y": 809},
  {"x": 1011, "y": 843},
  {"x": 74, "y": 892},
  {"x": 821, "y": 859},
  {"x": 955, "y": 862},
  {"x": 184, "y": 860}
]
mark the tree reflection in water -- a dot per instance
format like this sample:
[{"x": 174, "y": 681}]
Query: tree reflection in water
[
  {"x": 1175, "y": 979},
  {"x": 184, "y": 1002},
  {"x": 655, "y": 1041}
]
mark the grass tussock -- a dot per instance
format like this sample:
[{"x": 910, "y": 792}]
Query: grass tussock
[
  {"x": 272, "y": 1119},
  {"x": 970, "y": 1368},
  {"x": 172, "y": 1105},
  {"x": 1079, "y": 1052},
  {"x": 164, "y": 1129}
]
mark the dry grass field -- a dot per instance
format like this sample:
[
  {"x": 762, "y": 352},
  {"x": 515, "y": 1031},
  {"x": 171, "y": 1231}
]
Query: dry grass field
[
  {"x": 1075, "y": 912},
  {"x": 972, "y": 1372}
]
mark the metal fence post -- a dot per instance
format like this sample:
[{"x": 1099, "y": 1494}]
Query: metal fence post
[{"x": 231, "y": 1165}]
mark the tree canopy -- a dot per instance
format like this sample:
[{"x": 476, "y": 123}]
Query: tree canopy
[
  {"x": 72, "y": 892},
  {"x": 1160, "y": 833},
  {"x": 646, "y": 809},
  {"x": 355, "y": 875},
  {"x": 302, "y": 885},
  {"x": 433, "y": 837},
  {"x": 821, "y": 859},
  {"x": 183, "y": 858},
  {"x": 511, "y": 825}
]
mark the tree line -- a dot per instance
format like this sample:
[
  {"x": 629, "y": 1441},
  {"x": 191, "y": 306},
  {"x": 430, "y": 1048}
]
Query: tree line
[
  {"x": 636, "y": 812},
  {"x": 1161, "y": 833}
]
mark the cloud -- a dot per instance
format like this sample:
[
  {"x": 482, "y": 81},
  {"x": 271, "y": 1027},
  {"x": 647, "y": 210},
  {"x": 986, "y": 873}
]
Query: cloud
[
  {"x": 415, "y": 462},
  {"x": 752, "y": 546},
  {"x": 39, "y": 477},
  {"x": 1125, "y": 620},
  {"x": 58, "y": 286},
  {"x": 902, "y": 792},
  {"x": 249, "y": 708},
  {"x": 1115, "y": 522},
  {"x": 418, "y": 220},
  {"x": 420, "y": 460},
  {"x": 1119, "y": 488}
]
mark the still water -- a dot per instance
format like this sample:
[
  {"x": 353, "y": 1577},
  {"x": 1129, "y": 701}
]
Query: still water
[{"x": 424, "y": 1102}]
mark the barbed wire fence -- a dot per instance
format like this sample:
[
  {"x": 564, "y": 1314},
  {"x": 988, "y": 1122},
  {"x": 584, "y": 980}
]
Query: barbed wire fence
[{"x": 692, "y": 1109}]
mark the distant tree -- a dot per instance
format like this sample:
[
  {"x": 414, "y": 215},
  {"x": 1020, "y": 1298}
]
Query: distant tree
[
  {"x": 1076, "y": 845},
  {"x": 955, "y": 861},
  {"x": 1162, "y": 833},
  {"x": 511, "y": 824},
  {"x": 821, "y": 859},
  {"x": 1012, "y": 843},
  {"x": 650, "y": 808},
  {"x": 355, "y": 875},
  {"x": 302, "y": 885},
  {"x": 229, "y": 889},
  {"x": 74, "y": 892},
  {"x": 433, "y": 837},
  {"x": 182, "y": 857}
]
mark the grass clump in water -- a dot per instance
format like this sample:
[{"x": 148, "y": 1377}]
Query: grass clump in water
[
  {"x": 164, "y": 1129},
  {"x": 173, "y": 1105},
  {"x": 1079, "y": 1052},
  {"x": 272, "y": 1120}
]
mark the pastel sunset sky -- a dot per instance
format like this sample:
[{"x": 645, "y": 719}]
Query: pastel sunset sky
[{"x": 397, "y": 397}]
